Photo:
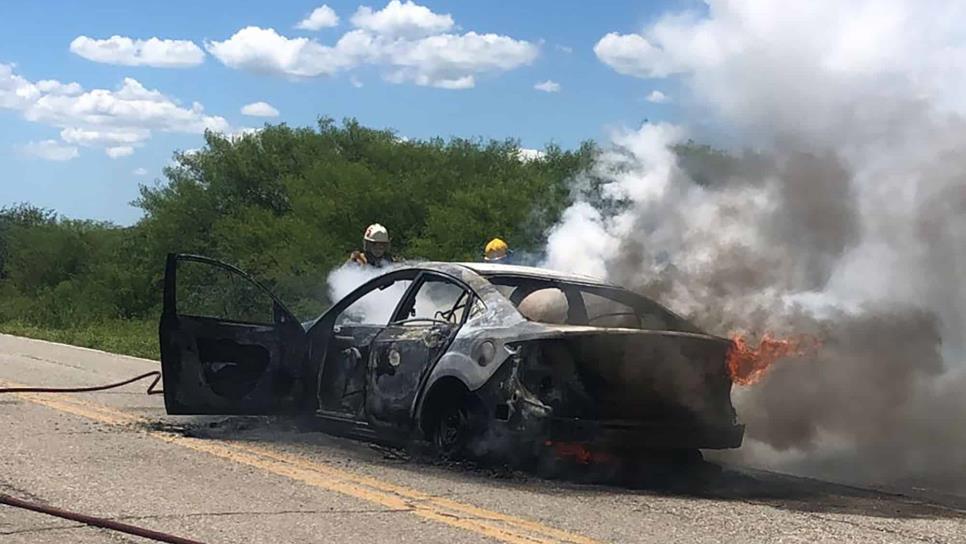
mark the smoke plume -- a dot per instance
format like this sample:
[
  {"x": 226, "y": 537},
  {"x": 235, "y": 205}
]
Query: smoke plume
[
  {"x": 374, "y": 308},
  {"x": 838, "y": 209}
]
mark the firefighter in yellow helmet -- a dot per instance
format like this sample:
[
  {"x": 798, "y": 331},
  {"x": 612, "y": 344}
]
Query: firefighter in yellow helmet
[
  {"x": 375, "y": 248},
  {"x": 496, "y": 251}
]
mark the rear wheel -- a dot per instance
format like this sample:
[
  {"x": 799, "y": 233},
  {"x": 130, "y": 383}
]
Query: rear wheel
[{"x": 455, "y": 427}]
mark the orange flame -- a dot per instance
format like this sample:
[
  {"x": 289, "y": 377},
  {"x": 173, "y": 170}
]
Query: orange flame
[{"x": 748, "y": 364}]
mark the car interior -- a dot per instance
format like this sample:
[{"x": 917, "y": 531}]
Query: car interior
[{"x": 568, "y": 303}]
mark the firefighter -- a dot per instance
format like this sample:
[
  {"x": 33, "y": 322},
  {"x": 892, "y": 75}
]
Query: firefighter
[
  {"x": 375, "y": 248},
  {"x": 496, "y": 251}
]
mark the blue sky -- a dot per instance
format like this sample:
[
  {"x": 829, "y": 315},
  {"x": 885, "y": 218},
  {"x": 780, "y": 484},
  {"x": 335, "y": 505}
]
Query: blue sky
[{"x": 550, "y": 40}]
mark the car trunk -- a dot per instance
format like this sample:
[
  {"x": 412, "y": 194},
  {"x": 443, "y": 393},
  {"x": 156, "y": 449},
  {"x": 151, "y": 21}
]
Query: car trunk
[{"x": 632, "y": 376}]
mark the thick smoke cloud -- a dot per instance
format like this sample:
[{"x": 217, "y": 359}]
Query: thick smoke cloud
[{"x": 839, "y": 210}]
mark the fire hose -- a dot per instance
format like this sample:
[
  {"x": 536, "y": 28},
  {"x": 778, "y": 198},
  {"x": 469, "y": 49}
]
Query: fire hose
[
  {"x": 156, "y": 374},
  {"x": 95, "y": 521},
  {"x": 84, "y": 518}
]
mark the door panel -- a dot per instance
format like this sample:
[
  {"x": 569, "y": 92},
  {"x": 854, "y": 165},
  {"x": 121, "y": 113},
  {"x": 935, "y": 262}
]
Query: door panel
[
  {"x": 400, "y": 360},
  {"x": 343, "y": 337},
  {"x": 342, "y": 386},
  {"x": 403, "y": 354},
  {"x": 219, "y": 363}
]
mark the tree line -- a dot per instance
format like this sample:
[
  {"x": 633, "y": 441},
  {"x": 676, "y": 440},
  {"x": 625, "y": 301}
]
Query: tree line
[{"x": 287, "y": 205}]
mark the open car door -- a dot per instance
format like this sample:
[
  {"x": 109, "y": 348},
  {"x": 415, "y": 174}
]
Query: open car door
[{"x": 228, "y": 346}]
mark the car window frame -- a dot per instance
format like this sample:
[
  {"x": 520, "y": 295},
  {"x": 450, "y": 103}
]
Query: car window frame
[
  {"x": 280, "y": 313},
  {"x": 388, "y": 278},
  {"x": 418, "y": 282},
  {"x": 573, "y": 288},
  {"x": 335, "y": 321}
]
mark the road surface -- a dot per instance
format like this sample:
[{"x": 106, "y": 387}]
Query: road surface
[{"x": 115, "y": 454}]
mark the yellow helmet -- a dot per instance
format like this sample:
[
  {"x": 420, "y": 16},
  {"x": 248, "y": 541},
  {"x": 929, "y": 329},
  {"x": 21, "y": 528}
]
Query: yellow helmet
[{"x": 495, "y": 250}]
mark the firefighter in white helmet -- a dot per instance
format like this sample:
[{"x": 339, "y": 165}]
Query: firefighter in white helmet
[{"x": 375, "y": 248}]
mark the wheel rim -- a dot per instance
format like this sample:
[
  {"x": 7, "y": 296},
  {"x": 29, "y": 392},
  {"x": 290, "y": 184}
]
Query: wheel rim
[{"x": 450, "y": 430}]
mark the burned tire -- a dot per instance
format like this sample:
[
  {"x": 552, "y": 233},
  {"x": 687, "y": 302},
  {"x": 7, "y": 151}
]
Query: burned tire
[
  {"x": 457, "y": 427},
  {"x": 452, "y": 418},
  {"x": 453, "y": 430}
]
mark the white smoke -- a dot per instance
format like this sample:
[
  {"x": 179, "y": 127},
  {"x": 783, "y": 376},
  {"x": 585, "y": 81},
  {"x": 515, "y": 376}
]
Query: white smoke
[
  {"x": 846, "y": 219},
  {"x": 434, "y": 300},
  {"x": 374, "y": 308}
]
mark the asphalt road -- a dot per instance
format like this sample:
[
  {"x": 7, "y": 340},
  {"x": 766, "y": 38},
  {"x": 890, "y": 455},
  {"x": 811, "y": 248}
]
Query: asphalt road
[{"x": 117, "y": 455}]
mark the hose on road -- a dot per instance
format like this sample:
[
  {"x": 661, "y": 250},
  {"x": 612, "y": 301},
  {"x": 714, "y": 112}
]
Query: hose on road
[
  {"x": 83, "y": 518},
  {"x": 156, "y": 374},
  {"x": 95, "y": 521}
]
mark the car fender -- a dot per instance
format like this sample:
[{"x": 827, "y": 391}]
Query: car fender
[{"x": 463, "y": 362}]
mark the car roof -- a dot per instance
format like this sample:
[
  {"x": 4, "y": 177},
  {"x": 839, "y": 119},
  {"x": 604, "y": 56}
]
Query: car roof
[
  {"x": 494, "y": 269},
  {"x": 487, "y": 270}
]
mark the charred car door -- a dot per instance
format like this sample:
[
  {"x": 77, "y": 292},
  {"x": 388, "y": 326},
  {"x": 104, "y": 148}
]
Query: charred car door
[
  {"x": 228, "y": 346},
  {"x": 403, "y": 354},
  {"x": 345, "y": 337}
]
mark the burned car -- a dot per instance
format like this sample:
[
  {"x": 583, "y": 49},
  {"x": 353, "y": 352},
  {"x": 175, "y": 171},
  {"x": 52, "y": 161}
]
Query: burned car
[{"x": 506, "y": 358}]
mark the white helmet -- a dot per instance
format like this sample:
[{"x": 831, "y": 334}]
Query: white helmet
[{"x": 376, "y": 233}]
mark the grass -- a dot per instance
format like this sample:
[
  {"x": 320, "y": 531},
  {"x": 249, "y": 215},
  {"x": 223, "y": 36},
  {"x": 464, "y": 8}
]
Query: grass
[{"x": 138, "y": 338}]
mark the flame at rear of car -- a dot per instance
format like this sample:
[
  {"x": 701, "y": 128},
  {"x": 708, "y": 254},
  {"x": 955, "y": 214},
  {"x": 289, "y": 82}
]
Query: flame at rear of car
[{"x": 748, "y": 364}]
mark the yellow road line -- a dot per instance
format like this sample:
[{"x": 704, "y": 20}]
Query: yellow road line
[
  {"x": 88, "y": 410},
  {"x": 495, "y": 525}
]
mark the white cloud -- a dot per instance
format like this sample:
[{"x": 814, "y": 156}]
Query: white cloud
[
  {"x": 266, "y": 51},
  {"x": 122, "y": 118},
  {"x": 564, "y": 48},
  {"x": 15, "y": 91},
  {"x": 402, "y": 19},
  {"x": 451, "y": 61},
  {"x": 527, "y": 154},
  {"x": 237, "y": 134},
  {"x": 259, "y": 109},
  {"x": 356, "y": 82},
  {"x": 657, "y": 97},
  {"x": 404, "y": 39},
  {"x": 119, "y": 151},
  {"x": 140, "y": 172},
  {"x": 130, "y": 107},
  {"x": 633, "y": 55},
  {"x": 321, "y": 17},
  {"x": 465, "y": 82},
  {"x": 548, "y": 86},
  {"x": 50, "y": 150},
  {"x": 52, "y": 86},
  {"x": 97, "y": 137},
  {"x": 130, "y": 52}
]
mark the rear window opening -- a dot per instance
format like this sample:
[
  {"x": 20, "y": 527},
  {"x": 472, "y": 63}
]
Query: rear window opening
[{"x": 567, "y": 303}]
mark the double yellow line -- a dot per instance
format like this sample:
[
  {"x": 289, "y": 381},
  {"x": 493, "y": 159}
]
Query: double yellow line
[{"x": 494, "y": 525}]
